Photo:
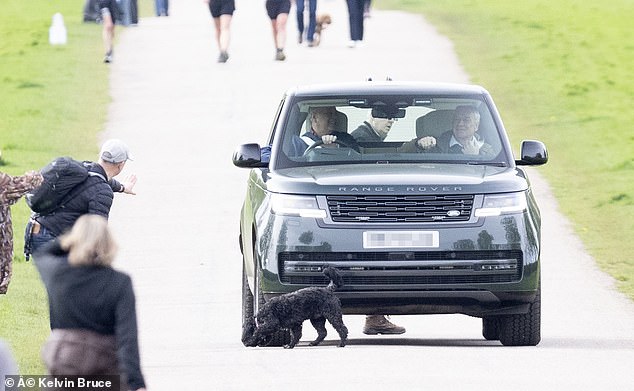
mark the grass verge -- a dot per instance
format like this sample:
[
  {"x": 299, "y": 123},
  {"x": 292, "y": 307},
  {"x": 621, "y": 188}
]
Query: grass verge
[
  {"x": 54, "y": 102},
  {"x": 560, "y": 73}
]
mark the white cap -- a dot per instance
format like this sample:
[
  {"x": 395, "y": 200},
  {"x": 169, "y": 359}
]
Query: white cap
[{"x": 114, "y": 151}]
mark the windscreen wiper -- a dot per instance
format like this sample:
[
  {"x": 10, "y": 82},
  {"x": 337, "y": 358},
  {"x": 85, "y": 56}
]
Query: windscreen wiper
[{"x": 496, "y": 164}]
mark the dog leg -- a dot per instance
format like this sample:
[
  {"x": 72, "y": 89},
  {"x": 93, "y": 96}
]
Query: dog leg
[
  {"x": 296, "y": 334},
  {"x": 337, "y": 323},
  {"x": 320, "y": 325}
]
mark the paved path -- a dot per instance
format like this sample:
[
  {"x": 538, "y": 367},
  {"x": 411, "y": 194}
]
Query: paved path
[{"x": 183, "y": 115}]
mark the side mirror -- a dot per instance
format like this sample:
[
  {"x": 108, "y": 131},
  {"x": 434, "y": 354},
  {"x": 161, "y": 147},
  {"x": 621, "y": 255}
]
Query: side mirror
[
  {"x": 248, "y": 156},
  {"x": 533, "y": 153}
]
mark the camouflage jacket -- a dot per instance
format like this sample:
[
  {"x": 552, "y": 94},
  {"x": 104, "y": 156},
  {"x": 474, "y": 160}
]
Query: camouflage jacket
[{"x": 11, "y": 189}]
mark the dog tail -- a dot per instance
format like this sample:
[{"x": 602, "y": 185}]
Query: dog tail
[{"x": 336, "y": 281}]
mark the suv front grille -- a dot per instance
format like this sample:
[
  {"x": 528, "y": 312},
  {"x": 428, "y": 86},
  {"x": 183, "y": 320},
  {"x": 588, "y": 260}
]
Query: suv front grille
[
  {"x": 401, "y": 269},
  {"x": 400, "y": 208}
]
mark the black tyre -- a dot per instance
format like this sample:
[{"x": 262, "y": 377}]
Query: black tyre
[
  {"x": 248, "y": 323},
  {"x": 491, "y": 328},
  {"x": 522, "y": 329},
  {"x": 281, "y": 337}
]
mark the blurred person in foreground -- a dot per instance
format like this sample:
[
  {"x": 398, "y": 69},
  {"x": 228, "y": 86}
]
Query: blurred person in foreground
[{"x": 92, "y": 306}]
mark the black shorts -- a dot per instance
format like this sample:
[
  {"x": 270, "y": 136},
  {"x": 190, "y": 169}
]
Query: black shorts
[
  {"x": 112, "y": 7},
  {"x": 221, "y": 7},
  {"x": 276, "y": 7}
]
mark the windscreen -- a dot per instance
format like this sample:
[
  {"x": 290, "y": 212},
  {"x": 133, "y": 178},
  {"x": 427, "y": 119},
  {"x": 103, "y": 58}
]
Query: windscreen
[{"x": 388, "y": 129}]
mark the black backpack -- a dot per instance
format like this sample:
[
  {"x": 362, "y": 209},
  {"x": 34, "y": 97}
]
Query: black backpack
[{"x": 61, "y": 176}]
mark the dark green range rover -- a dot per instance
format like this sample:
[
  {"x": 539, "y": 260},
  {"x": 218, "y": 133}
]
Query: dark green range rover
[{"x": 418, "y": 213}]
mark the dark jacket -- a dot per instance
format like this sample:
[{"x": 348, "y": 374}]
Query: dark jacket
[
  {"x": 365, "y": 133},
  {"x": 95, "y": 298},
  {"x": 93, "y": 196}
]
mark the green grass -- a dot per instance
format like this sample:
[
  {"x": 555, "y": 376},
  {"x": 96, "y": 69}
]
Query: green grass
[
  {"x": 560, "y": 72},
  {"x": 54, "y": 102}
]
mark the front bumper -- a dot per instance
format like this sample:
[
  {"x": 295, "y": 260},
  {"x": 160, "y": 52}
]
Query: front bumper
[{"x": 486, "y": 268}]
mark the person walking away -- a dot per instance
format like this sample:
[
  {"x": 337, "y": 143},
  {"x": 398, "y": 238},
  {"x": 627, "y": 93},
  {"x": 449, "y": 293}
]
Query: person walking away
[
  {"x": 108, "y": 9},
  {"x": 222, "y": 13},
  {"x": 162, "y": 7},
  {"x": 91, "y": 306},
  {"x": 355, "y": 13},
  {"x": 312, "y": 20},
  {"x": 278, "y": 11},
  {"x": 11, "y": 189},
  {"x": 94, "y": 196}
]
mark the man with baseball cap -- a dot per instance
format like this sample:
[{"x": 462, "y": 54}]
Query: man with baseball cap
[{"x": 93, "y": 196}]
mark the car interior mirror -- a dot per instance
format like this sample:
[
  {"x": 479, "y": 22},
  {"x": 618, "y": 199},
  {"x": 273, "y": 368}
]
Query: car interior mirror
[{"x": 387, "y": 112}]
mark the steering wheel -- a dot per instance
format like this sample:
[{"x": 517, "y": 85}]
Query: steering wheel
[{"x": 320, "y": 142}]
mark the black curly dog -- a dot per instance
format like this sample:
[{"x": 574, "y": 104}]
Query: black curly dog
[{"x": 289, "y": 311}]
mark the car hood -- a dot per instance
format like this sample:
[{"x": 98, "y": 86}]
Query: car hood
[{"x": 396, "y": 178}]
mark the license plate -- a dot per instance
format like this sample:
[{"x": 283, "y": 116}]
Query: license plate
[{"x": 400, "y": 239}]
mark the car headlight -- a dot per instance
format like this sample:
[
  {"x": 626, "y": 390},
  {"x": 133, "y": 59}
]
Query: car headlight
[
  {"x": 498, "y": 204},
  {"x": 287, "y": 205}
]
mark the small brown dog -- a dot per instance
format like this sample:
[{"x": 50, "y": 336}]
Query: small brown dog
[{"x": 323, "y": 20}]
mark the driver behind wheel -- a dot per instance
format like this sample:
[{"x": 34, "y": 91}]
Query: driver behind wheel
[{"x": 322, "y": 129}]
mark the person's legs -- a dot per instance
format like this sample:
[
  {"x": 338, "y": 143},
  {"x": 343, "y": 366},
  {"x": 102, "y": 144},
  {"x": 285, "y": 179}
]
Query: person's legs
[
  {"x": 280, "y": 36},
  {"x": 218, "y": 31},
  {"x": 312, "y": 21},
  {"x": 163, "y": 7},
  {"x": 107, "y": 33},
  {"x": 280, "y": 22},
  {"x": 300, "y": 19},
  {"x": 224, "y": 36},
  {"x": 360, "y": 18},
  {"x": 274, "y": 27},
  {"x": 352, "y": 19},
  {"x": 222, "y": 25},
  {"x": 367, "y": 5},
  {"x": 356, "y": 19},
  {"x": 225, "y": 32}
]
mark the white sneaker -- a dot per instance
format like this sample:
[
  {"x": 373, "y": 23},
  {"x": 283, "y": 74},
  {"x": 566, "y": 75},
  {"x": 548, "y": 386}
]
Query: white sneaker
[{"x": 351, "y": 44}]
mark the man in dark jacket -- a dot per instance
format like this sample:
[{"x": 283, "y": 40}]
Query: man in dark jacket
[
  {"x": 93, "y": 196},
  {"x": 373, "y": 130}
]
